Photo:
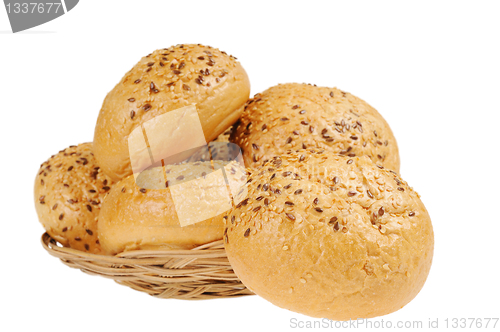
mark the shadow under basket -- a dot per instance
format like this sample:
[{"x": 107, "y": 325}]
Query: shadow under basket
[{"x": 197, "y": 274}]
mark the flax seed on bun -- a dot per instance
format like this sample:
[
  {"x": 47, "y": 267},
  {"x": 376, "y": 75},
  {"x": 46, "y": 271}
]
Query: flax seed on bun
[
  {"x": 330, "y": 236},
  {"x": 163, "y": 81},
  {"x": 143, "y": 213},
  {"x": 294, "y": 116},
  {"x": 69, "y": 189}
]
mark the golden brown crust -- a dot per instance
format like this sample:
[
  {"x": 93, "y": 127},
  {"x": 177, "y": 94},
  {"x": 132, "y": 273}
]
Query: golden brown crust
[
  {"x": 133, "y": 217},
  {"x": 163, "y": 81},
  {"x": 330, "y": 236},
  {"x": 295, "y": 116},
  {"x": 69, "y": 189}
]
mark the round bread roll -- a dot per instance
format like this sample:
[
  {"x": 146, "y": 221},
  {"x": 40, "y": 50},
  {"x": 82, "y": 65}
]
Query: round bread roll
[
  {"x": 299, "y": 116},
  {"x": 330, "y": 236},
  {"x": 144, "y": 214},
  {"x": 69, "y": 189},
  {"x": 163, "y": 81}
]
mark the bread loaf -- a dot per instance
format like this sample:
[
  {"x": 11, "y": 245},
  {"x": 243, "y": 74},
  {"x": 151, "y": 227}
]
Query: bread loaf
[
  {"x": 180, "y": 212},
  {"x": 330, "y": 236},
  {"x": 69, "y": 190},
  {"x": 296, "y": 116},
  {"x": 163, "y": 81}
]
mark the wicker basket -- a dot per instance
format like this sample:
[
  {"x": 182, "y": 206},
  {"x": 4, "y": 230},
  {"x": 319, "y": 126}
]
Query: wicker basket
[{"x": 197, "y": 274}]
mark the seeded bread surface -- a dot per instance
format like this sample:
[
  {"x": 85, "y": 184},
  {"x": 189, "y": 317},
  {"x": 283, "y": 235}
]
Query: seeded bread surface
[
  {"x": 330, "y": 236},
  {"x": 163, "y": 81},
  {"x": 294, "y": 116},
  {"x": 134, "y": 217},
  {"x": 69, "y": 190}
]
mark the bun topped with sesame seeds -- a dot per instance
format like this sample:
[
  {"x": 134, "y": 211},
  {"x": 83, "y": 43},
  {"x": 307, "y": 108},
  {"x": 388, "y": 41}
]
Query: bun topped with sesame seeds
[
  {"x": 299, "y": 116},
  {"x": 163, "y": 81},
  {"x": 150, "y": 213},
  {"x": 330, "y": 236},
  {"x": 69, "y": 190}
]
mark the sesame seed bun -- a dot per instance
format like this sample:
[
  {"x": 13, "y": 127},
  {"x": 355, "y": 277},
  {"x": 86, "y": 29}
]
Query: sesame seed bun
[
  {"x": 144, "y": 214},
  {"x": 163, "y": 81},
  {"x": 69, "y": 189},
  {"x": 296, "y": 116},
  {"x": 330, "y": 236}
]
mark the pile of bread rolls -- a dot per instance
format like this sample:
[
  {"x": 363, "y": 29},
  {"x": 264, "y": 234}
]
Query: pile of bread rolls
[{"x": 328, "y": 228}]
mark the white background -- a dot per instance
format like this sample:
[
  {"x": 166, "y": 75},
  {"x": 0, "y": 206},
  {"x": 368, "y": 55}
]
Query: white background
[{"x": 431, "y": 68}]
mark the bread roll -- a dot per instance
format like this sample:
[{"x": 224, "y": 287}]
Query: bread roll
[
  {"x": 294, "y": 116},
  {"x": 147, "y": 214},
  {"x": 163, "y": 81},
  {"x": 330, "y": 236},
  {"x": 69, "y": 189}
]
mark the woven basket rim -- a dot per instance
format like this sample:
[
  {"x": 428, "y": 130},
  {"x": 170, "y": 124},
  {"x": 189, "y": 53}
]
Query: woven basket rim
[
  {"x": 51, "y": 245},
  {"x": 203, "y": 272}
]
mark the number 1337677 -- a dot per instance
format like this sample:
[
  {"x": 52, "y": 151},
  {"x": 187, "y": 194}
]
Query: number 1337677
[
  {"x": 32, "y": 7},
  {"x": 471, "y": 323}
]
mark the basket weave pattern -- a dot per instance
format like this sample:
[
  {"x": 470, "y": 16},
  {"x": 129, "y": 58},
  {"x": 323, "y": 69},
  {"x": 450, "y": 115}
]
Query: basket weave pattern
[{"x": 200, "y": 273}]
